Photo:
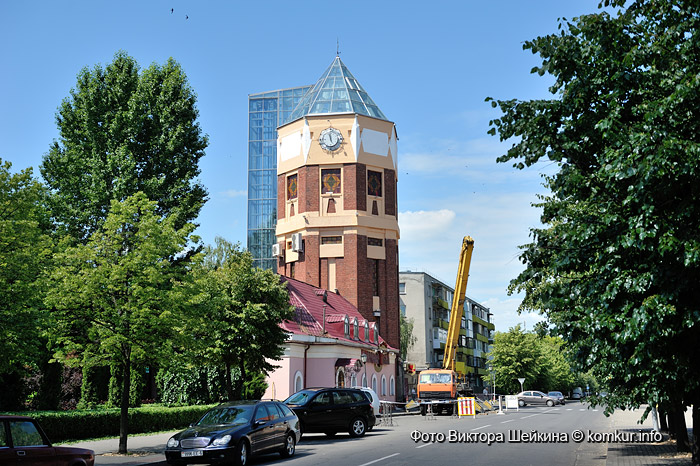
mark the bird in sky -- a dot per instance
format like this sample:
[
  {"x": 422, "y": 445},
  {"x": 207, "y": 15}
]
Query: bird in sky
[
  {"x": 187, "y": 17},
  {"x": 172, "y": 10}
]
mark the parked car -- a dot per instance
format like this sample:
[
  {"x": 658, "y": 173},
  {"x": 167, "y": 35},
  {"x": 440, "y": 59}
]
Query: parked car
[
  {"x": 373, "y": 398},
  {"x": 233, "y": 432},
  {"x": 577, "y": 393},
  {"x": 332, "y": 410},
  {"x": 559, "y": 396},
  {"x": 533, "y": 397},
  {"x": 22, "y": 441}
]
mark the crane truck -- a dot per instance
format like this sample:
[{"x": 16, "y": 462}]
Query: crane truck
[{"x": 438, "y": 389}]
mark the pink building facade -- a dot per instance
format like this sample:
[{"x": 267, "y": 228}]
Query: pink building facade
[{"x": 327, "y": 340}]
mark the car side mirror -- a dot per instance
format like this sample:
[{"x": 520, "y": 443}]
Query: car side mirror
[{"x": 258, "y": 422}]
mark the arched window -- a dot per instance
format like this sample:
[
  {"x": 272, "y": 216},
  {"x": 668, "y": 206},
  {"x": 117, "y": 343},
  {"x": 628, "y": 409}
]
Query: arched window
[
  {"x": 356, "y": 330},
  {"x": 384, "y": 385},
  {"x": 346, "y": 327},
  {"x": 374, "y": 383},
  {"x": 366, "y": 331},
  {"x": 340, "y": 378},
  {"x": 298, "y": 382},
  {"x": 392, "y": 386},
  {"x": 364, "y": 380}
]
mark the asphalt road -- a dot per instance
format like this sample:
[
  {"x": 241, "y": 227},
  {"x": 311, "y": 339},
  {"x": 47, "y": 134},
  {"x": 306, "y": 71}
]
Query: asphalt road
[{"x": 396, "y": 445}]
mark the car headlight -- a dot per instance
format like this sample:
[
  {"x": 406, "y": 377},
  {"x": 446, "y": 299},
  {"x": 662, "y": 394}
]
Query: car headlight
[
  {"x": 219, "y": 441},
  {"x": 173, "y": 442}
]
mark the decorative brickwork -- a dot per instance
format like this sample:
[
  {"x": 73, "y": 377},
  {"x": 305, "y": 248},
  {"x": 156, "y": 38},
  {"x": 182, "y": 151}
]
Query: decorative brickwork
[
  {"x": 280, "y": 198},
  {"x": 390, "y": 192},
  {"x": 309, "y": 186}
]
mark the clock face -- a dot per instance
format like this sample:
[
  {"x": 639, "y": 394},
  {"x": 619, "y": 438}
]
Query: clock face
[{"x": 330, "y": 139}]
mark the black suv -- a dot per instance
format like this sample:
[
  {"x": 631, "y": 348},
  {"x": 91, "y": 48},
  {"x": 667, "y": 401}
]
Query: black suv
[
  {"x": 232, "y": 432},
  {"x": 331, "y": 410}
]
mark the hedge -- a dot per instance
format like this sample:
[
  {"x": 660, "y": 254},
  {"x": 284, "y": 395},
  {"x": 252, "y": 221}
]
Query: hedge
[{"x": 83, "y": 424}]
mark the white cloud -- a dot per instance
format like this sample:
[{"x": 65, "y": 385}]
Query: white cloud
[
  {"x": 235, "y": 193},
  {"x": 421, "y": 225}
]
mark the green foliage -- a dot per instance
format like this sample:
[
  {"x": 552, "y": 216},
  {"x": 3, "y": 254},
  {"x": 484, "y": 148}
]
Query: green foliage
[
  {"x": 616, "y": 265},
  {"x": 85, "y": 424},
  {"x": 540, "y": 360},
  {"x": 238, "y": 312},
  {"x": 119, "y": 287},
  {"x": 407, "y": 338},
  {"x": 25, "y": 255},
  {"x": 123, "y": 132},
  {"x": 194, "y": 385}
]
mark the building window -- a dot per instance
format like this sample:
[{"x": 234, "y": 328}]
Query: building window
[
  {"x": 402, "y": 307},
  {"x": 346, "y": 327},
  {"x": 291, "y": 270},
  {"x": 292, "y": 187},
  {"x": 330, "y": 180},
  {"x": 374, "y": 383},
  {"x": 331, "y": 240},
  {"x": 374, "y": 183},
  {"x": 402, "y": 288},
  {"x": 356, "y": 330},
  {"x": 353, "y": 380},
  {"x": 392, "y": 386},
  {"x": 364, "y": 380},
  {"x": 375, "y": 242},
  {"x": 366, "y": 331},
  {"x": 384, "y": 385},
  {"x": 298, "y": 382},
  {"x": 340, "y": 378},
  {"x": 376, "y": 335}
]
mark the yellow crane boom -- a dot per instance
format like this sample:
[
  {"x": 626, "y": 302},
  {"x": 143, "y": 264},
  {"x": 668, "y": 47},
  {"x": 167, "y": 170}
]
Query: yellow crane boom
[{"x": 465, "y": 258}]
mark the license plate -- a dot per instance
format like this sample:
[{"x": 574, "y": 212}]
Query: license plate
[{"x": 188, "y": 454}]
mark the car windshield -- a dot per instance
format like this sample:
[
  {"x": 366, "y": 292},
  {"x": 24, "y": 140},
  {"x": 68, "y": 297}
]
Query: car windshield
[
  {"x": 232, "y": 415},
  {"x": 299, "y": 398},
  {"x": 435, "y": 378}
]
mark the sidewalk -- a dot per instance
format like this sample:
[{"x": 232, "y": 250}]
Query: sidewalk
[
  {"x": 143, "y": 449},
  {"x": 642, "y": 454}
]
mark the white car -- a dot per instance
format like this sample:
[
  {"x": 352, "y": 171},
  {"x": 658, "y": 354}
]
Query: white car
[{"x": 372, "y": 398}]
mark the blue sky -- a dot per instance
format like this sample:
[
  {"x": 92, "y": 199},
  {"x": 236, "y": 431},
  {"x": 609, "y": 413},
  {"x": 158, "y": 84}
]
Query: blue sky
[{"x": 428, "y": 66}]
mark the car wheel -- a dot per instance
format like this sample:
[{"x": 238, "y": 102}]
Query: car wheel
[
  {"x": 241, "y": 456},
  {"x": 521, "y": 403},
  {"x": 423, "y": 410},
  {"x": 330, "y": 434},
  {"x": 290, "y": 446},
  {"x": 563, "y": 403},
  {"x": 358, "y": 427},
  {"x": 550, "y": 403}
]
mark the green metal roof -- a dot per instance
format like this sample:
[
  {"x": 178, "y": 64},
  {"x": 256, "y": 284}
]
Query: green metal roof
[{"x": 336, "y": 92}]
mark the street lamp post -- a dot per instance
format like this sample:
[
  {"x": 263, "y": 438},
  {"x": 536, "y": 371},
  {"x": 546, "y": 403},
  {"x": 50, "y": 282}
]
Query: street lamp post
[{"x": 363, "y": 358}]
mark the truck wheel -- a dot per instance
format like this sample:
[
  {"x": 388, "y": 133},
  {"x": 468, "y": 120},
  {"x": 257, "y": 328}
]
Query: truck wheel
[{"x": 450, "y": 410}]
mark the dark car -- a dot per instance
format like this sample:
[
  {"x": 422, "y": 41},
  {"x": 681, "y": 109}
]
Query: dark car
[
  {"x": 235, "y": 431},
  {"x": 533, "y": 397},
  {"x": 333, "y": 410},
  {"x": 22, "y": 441}
]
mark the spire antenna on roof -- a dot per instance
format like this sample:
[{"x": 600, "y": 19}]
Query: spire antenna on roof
[{"x": 337, "y": 47}]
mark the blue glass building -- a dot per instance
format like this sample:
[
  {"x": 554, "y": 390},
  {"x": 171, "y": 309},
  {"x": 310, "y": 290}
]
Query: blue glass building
[{"x": 266, "y": 111}]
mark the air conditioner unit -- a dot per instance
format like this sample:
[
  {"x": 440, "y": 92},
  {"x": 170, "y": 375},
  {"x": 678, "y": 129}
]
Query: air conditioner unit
[
  {"x": 297, "y": 242},
  {"x": 276, "y": 250}
]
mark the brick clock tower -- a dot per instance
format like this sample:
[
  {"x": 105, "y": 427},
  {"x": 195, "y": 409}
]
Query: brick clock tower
[{"x": 337, "y": 215}]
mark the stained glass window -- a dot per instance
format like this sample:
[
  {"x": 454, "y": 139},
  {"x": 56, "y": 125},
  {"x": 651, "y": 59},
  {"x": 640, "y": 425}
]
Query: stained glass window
[
  {"x": 291, "y": 187},
  {"x": 374, "y": 183},
  {"x": 330, "y": 180}
]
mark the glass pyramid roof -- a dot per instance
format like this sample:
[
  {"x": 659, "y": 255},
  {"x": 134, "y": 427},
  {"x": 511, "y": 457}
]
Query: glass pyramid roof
[{"x": 337, "y": 91}]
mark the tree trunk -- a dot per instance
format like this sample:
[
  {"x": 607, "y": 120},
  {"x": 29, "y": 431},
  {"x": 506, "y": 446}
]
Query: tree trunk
[
  {"x": 229, "y": 387},
  {"x": 662, "y": 420},
  {"x": 124, "y": 404},
  {"x": 682, "y": 443},
  {"x": 241, "y": 379},
  {"x": 671, "y": 424},
  {"x": 696, "y": 433}
]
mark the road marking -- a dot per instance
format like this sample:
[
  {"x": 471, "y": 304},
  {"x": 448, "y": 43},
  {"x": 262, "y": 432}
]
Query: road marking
[
  {"x": 382, "y": 459},
  {"x": 530, "y": 416},
  {"x": 582, "y": 409},
  {"x": 426, "y": 445},
  {"x": 482, "y": 427},
  {"x": 510, "y": 420},
  {"x": 569, "y": 409}
]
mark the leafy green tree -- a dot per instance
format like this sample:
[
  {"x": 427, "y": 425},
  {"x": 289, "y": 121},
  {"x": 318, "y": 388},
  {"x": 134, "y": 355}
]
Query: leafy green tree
[
  {"x": 240, "y": 312},
  {"x": 616, "y": 265},
  {"x": 122, "y": 132},
  {"x": 407, "y": 337},
  {"x": 516, "y": 354},
  {"x": 119, "y": 286},
  {"x": 25, "y": 253}
]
